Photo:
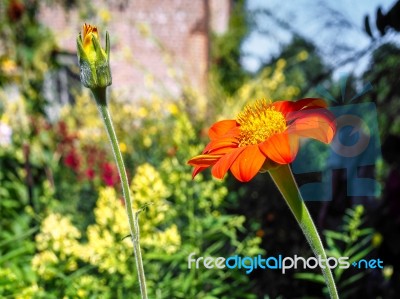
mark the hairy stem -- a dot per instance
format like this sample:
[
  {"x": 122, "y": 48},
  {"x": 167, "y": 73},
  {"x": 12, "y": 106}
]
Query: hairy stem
[
  {"x": 284, "y": 180},
  {"x": 100, "y": 96}
]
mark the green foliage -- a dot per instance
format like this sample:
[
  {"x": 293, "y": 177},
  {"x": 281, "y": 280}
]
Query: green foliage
[
  {"x": 18, "y": 225},
  {"x": 382, "y": 73},
  {"x": 304, "y": 65},
  {"x": 28, "y": 50},
  {"x": 225, "y": 52},
  {"x": 63, "y": 233},
  {"x": 353, "y": 241},
  {"x": 179, "y": 216}
]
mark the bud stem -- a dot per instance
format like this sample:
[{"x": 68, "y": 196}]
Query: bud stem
[
  {"x": 101, "y": 101},
  {"x": 284, "y": 180}
]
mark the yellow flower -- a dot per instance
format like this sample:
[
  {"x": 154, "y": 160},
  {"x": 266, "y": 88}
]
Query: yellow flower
[
  {"x": 123, "y": 147},
  {"x": 94, "y": 61},
  {"x": 8, "y": 66},
  {"x": 144, "y": 29},
  {"x": 377, "y": 239},
  {"x": 387, "y": 272},
  {"x": 105, "y": 15},
  {"x": 281, "y": 63},
  {"x": 173, "y": 109},
  {"x": 303, "y": 55}
]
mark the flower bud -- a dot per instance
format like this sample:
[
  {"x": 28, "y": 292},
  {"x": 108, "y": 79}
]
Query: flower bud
[{"x": 94, "y": 62}]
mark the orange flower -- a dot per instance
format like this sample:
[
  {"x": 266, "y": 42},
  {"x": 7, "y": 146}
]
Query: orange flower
[
  {"x": 90, "y": 32},
  {"x": 264, "y": 135},
  {"x": 94, "y": 61}
]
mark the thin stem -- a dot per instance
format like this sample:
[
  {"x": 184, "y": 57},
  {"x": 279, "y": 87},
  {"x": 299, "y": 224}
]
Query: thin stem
[
  {"x": 100, "y": 96},
  {"x": 284, "y": 180}
]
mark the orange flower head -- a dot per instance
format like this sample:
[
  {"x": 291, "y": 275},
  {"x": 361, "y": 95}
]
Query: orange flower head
[{"x": 264, "y": 135}]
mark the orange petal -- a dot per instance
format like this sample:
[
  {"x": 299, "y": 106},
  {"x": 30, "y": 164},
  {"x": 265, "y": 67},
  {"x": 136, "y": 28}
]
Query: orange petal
[
  {"x": 197, "y": 170},
  {"x": 221, "y": 167},
  {"x": 88, "y": 30},
  {"x": 223, "y": 150},
  {"x": 281, "y": 148},
  {"x": 307, "y": 103},
  {"x": 282, "y": 106},
  {"x": 248, "y": 163},
  {"x": 313, "y": 123},
  {"x": 204, "y": 160},
  {"x": 220, "y": 143},
  {"x": 221, "y": 128}
]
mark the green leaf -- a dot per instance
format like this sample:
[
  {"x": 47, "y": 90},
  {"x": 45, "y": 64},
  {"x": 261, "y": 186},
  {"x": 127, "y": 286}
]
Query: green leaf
[
  {"x": 366, "y": 231},
  {"x": 333, "y": 253},
  {"x": 352, "y": 250},
  {"x": 348, "y": 293},
  {"x": 352, "y": 279},
  {"x": 18, "y": 237},
  {"x": 336, "y": 236},
  {"x": 317, "y": 278},
  {"x": 14, "y": 254},
  {"x": 361, "y": 254}
]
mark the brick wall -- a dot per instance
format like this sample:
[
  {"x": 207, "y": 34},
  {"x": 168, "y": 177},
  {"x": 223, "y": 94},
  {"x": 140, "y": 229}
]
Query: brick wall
[{"x": 177, "y": 49}]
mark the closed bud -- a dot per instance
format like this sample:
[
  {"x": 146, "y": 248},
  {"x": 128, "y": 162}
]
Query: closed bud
[{"x": 94, "y": 61}]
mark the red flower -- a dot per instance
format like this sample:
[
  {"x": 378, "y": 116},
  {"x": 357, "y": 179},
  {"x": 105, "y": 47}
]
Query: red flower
[
  {"x": 109, "y": 174},
  {"x": 263, "y": 135},
  {"x": 72, "y": 160},
  {"x": 90, "y": 173}
]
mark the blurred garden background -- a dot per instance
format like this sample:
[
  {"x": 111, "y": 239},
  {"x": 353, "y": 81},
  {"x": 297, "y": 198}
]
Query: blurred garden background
[{"x": 178, "y": 67}]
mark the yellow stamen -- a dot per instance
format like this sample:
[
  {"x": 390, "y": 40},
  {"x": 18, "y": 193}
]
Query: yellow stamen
[{"x": 258, "y": 121}]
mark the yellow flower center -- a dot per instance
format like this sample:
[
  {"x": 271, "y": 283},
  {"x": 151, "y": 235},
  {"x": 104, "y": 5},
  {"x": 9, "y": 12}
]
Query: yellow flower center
[{"x": 258, "y": 121}]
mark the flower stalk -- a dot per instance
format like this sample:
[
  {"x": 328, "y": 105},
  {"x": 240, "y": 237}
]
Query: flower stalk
[
  {"x": 101, "y": 101},
  {"x": 284, "y": 180},
  {"x": 95, "y": 74}
]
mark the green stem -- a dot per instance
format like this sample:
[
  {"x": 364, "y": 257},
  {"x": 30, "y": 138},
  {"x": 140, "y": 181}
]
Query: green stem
[
  {"x": 284, "y": 180},
  {"x": 100, "y": 96}
]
